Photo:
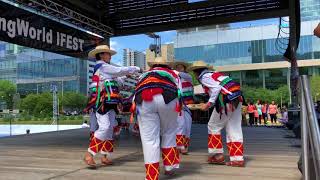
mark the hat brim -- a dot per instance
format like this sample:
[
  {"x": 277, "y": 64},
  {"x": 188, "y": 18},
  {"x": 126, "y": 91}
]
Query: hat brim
[
  {"x": 175, "y": 64},
  {"x": 154, "y": 63},
  {"x": 94, "y": 52},
  {"x": 192, "y": 68}
]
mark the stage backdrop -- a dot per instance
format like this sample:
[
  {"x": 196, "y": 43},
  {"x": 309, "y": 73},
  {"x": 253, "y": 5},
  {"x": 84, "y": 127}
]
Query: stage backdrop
[{"x": 25, "y": 28}]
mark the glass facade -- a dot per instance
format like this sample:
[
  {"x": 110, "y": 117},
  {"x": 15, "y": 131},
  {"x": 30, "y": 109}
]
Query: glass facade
[
  {"x": 34, "y": 71},
  {"x": 270, "y": 78},
  {"x": 310, "y": 9},
  {"x": 248, "y": 52}
]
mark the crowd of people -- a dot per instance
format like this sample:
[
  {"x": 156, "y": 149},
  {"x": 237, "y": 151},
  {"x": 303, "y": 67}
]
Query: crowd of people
[{"x": 263, "y": 113}]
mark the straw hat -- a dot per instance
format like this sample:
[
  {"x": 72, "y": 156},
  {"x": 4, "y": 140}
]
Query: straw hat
[
  {"x": 176, "y": 63},
  {"x": 100, "y": 49},
  {"x": 199, "y": 65},
  {"x": 158, "y": 60}
]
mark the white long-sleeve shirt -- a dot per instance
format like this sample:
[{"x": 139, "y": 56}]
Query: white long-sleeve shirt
[
  {"x": 109, "y": 72},
  {"x": 213, "y": 85},
  {"x": 184, "y": 77}
]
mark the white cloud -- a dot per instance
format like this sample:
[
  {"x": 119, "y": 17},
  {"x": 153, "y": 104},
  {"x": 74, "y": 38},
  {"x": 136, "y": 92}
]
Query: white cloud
[
  {"x": 169, "y": 42},
  {"x": 117, "y": 58},
  {"x": 114, "y": 45}
]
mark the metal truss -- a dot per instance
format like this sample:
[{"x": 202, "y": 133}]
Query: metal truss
[{"x": 63, "y": 13}]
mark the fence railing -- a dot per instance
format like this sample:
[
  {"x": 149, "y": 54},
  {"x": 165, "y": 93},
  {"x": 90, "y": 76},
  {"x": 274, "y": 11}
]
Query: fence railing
[{"x": 310, "y": 134}]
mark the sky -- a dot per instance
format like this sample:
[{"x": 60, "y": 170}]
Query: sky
[
  {"x": 141, "y": 42},
  {"x": 137, "y": 42}
]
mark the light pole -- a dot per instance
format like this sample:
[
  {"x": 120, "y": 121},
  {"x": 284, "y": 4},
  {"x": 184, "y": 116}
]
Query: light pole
[{"x": 156, "y": 47}]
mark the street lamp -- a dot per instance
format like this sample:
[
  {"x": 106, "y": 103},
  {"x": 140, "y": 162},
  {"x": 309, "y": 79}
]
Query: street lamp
[{"x": 156, "y": 47}]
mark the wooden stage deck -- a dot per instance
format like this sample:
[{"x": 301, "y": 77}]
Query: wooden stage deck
[{"x": 58, "y": 155}]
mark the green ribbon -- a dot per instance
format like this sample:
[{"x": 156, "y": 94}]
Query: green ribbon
[
  {"x": 221, "y": 100},
  {"x": 108, "y": 92},
  {"x": 188, "y": 93},
  {"x": 93, "y": 89},
  {"x": 111, "y": 83},
  {"x": 98, "y": 98},
  {"x": 179, "y": 93}
]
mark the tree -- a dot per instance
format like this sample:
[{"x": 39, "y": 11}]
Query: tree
[
  {"x": 278, "y": 95},
  {"x": 315, "y": 87},
  {"x": 29, "y": 103},
  {"x": 7, "y": 91},
  {"x": 38, "y": 105},
  {"x": 74, "y": 101}
]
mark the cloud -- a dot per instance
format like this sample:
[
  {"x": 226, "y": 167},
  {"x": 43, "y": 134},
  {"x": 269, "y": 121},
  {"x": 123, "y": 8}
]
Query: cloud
[
  {"x": 169, "y": 42},
  {"x": 114, "y": 45}
]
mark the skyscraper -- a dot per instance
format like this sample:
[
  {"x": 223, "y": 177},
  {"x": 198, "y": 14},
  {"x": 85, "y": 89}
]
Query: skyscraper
[{"x": 134, "y": 58}]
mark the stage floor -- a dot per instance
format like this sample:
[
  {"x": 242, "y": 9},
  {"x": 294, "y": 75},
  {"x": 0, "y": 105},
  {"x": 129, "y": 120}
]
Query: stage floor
[{"x": 270, "y": 153}]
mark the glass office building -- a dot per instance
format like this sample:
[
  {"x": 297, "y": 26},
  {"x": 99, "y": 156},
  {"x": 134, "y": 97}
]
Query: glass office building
[
  {"x": 253, "y": 55},
  {"x": 310, "y": 9},
  {"x": 34, "y": 71}
]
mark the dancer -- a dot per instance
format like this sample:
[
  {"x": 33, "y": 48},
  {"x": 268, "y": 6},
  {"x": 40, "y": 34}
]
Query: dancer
[
  {"x": 226, "y": 98},
  {"x": 157, "y": 107},
  {"x": 106, "y": 102},
  {"x": 185, "y": 117}
]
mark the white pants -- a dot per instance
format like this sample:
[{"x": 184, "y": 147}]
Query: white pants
[
  {"x": 232, "y": 122},
  {"x": 103, "y": 137},
  {"x": 106, "y": 123},
  {"x": 159, "y": 119},
  {"x": 188, "y": 122},
  {"x": 184, "y": 127},
  {"x": 93, "y": 122}
]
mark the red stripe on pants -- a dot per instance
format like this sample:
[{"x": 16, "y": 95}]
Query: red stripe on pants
[
  {"x": 107, "y": 146},
  {"x": 180, "y": 140},
  {"x": 152, "y": 171},
  {"x": 170, "y": 156},
  {"x": 95, "y": 145},
  {"x": 235, "y": 148},
  {"x": 215, "y": 141}
]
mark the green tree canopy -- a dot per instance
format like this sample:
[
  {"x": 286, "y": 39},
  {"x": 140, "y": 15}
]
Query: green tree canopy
[
  {"x": 39, "y": 105},
  {"x": 315, "y": 87},
  {"x": 7, "y": 91},
  {"x": 278, "y": 95},
  {"x": 73, "y": 101}
]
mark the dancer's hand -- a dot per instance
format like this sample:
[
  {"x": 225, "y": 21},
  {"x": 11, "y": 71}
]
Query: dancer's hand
[{"x": 205, "y": 106}]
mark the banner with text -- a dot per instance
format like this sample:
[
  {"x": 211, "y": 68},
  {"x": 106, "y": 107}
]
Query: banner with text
[{"x": 25, "y": 28}]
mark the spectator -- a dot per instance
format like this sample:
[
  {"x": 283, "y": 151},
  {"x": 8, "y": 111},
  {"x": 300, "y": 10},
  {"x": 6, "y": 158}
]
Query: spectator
[
  {"x": 264, "y": 112},
  {"x": 284, "y": 115},
  {"x": 273, "y": 111},
  {"x": 259, "y": 110},
  {"x": 256, "y": 117},
  {"x": 251, "y": 108},
  {"x": 244, "y": 115}
]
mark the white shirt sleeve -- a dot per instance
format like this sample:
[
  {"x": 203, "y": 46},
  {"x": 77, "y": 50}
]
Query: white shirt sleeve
[
  {"x": 118, "y": 71},
  {"x": 214, "y": 87},
  {"x": 185, "y": 76},
  {"x": 120, "y": 80}
]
